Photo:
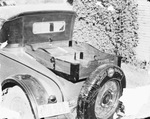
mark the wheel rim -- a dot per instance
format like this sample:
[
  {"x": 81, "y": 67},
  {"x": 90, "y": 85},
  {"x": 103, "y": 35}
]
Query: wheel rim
[{"x": 107, "y": 99}]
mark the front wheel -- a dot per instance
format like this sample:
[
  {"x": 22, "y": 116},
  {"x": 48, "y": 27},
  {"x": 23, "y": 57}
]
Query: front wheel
[
  {"x": 15, "y": 99},
  {"x": 99, "y": 96}
]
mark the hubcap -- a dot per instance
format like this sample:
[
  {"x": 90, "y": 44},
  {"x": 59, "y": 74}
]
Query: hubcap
[{"x": 107, "y": 99}]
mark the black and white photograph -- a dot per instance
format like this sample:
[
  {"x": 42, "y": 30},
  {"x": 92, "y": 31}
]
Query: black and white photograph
[{"x": 74, "y": 59}]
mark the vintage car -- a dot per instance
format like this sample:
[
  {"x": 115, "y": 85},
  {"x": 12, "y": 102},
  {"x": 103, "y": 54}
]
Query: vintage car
[{"x": 46, "y": 75}]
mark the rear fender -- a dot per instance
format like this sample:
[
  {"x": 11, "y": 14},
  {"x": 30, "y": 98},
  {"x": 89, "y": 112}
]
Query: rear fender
[
  {"x": 34, "y": 91},
  {"x": 117, "y": 69},
  {"x": 104, "y": 68}
]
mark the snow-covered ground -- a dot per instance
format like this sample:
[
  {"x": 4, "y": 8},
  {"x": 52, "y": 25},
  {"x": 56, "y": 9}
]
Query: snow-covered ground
[
  {"x": 136, "y": 97},
  {"x": 6, "y": 113},
  {"x": 137, "y": 102}
]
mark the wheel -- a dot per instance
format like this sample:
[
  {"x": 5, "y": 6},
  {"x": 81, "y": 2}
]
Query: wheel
[
  {"x": 15, "y": 99},
  {"x": 99, "y": 96},
  {"x": 107, "y": 100}
]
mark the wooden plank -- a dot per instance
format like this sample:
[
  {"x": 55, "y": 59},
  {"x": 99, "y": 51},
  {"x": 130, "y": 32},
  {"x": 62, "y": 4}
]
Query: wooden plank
[{"x": 62, "y": 66}]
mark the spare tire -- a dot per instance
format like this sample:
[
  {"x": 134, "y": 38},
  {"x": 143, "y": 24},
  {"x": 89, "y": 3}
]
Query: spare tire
[{"x": 99, "y": 96}]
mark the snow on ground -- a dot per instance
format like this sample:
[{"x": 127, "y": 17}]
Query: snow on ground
[
  {"x": 6, "y": 113},
  {"x": 135, "y": 77},
  {"x": 137, "y": 101},
  {"x": 136, "y": 97}
]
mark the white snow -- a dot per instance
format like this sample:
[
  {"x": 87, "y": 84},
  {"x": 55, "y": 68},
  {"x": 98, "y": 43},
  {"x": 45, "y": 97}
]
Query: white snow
[
  {"x": 137, "y": 101},
  {"x": 7, "y": 113},
  {"x": 109, "y": 8},
  {"x": 2, "y": 45}
]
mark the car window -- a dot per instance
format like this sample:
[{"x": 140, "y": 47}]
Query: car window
[{"x": 48, "y": 27}]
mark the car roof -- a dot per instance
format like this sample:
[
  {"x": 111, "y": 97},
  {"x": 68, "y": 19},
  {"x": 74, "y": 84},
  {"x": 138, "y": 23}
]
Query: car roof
[{"x": 7, "y": 12}]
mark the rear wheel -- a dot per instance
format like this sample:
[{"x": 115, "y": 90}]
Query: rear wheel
[
  {"x": 99, "y": 96},
  {"x": 107, "y": 100},
  {"x": 15, "y": 99}
]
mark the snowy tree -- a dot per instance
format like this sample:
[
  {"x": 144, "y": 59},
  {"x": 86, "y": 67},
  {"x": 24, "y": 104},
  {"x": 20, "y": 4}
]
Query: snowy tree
[{"x": 109, "y": 25}]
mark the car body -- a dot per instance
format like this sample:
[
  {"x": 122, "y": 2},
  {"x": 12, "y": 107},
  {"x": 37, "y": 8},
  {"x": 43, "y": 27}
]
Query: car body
[{"x": 50, "y": 68}]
